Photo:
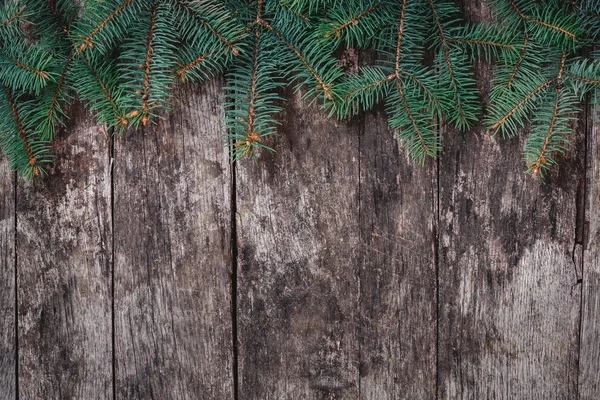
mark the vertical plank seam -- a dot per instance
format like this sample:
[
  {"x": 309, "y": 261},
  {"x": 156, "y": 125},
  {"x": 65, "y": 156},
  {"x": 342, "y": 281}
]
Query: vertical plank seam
[
  {"x": 436, "y": 258},
  {"x": 361, "y": 133},
  {"x": 16, "y": 294},
  {"x": 586, "y": 142},
  {"x": 234, "y": 272},
  {"x": 112, "y": 262}
]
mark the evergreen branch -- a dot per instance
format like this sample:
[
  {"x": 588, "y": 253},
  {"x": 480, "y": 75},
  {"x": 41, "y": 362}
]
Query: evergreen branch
[
  {"x": 518, "y": 63},
  {"x": 436, "y": 103},
  {"x": 322, "y": 85},
  {"x": 14, "y": 17},
  {"x": 22, "y": 131},
  {"x": 481, "y": 42},
  {"x": 26, "y": 69},
  {"x": 521, "y": 103},
  {"x": 209, "y": 27},
  {"x": 88, "y": 40},
  {"x": 542, "y": 23},
  {"x": 147, "y": 63},
  {"x": 148, "y": 58},
  {"x": 362, "y": 91},
  {"x": 425, "y": 149},
  {"x": 294, "y": 11},
  {"x": 98, "y": 88},
  {"x": 253, "y": 91},
  {"x": 53, "y": 114},
  {"x": 400, "y": 39},
  {"x": 541, "y": 158},
  {"x": 26, "y": 152},
  {"x": 109, "y": 96},
  {"x": 584, "y": 79},
  {"x": 415, "y": 129},
  {"x": 183, "y": 69},
  {"x": 337, "y": 29},
  {"x": 367, "y": 87},
  {"x": 462, "y": 120}
]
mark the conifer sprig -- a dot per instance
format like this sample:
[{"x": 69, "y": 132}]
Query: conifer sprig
[{"x": 122, "y": 58}]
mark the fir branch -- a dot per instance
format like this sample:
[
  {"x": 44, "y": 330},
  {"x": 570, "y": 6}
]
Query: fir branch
[
  {"x": 146, "y": 67},
  {"x": 541, "y": 158},
  {"x": 22, "y": 132},
  {"x": 53, "y": 114},
  {"x": 195, "y": 15},
  {"x": 500, "y": 123},
  {"x": 148, "y": 58},
  {"x": 322, "y": 84},
  {"x": 295, "y": 11},
  {"x": 87, "y": 41},
  {"x": 460, "y": 91},
  {"x": 572, "y": 35},
  {"x": 518, "y": 63},
  {"x": 26, "y": 152},
  {"x": 352, "y": 24},
  {"x": 182, "y": 69},
  {"x": 98, "y": 83},
  {"x": 424, "y": 149},
  {"x": 27, "y": 69}
]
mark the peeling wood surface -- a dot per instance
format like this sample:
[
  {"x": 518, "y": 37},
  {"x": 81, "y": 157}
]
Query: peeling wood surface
[
  {"x": 8, "y": 307},
  {"x": 64, "y": 251},
  {"x": 173, "y": 337},
  {"x": 298, "y": 263}
]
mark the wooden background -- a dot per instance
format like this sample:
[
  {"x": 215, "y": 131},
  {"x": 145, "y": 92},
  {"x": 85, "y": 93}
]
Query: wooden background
[{"x": 150, "y": 267}]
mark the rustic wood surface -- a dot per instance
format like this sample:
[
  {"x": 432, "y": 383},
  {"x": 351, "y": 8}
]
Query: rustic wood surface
[
  {"x": 589, "y": 375},
  {"x": 508, "y": 297},
  {"x": 8, "y": 307},
  {"x": 64, "y": 251},
  {"x": 398, "y": 218},
  {"x": 149, "y": 268},
  {"x": 172, "y": 308},
  {"x": 298, "y": 268}
]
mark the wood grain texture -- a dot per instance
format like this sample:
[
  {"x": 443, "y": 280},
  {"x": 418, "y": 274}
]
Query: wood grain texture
[
  {"x": 398, "y": 216},
  {"x": 64, "y": 270},
  {"x": 589, "y": 363},
  {"x": 173, "y": 261},
  {"x": 8, "y": 309},
  {"x": 509, "y": 310},
  {"x": 298, "y": 236}
]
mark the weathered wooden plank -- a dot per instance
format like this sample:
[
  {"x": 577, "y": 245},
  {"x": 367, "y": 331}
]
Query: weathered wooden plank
[
  {"x": 509, "y": 311},
  {"x": 398, "y": 217},
  {"x": 298, "y": 236},
  {"x": 8, "y": 309},
  {"x": 589, "y": 362},
  {"x": 173, "y": 335},
  {"x": 64, "y": 270}
]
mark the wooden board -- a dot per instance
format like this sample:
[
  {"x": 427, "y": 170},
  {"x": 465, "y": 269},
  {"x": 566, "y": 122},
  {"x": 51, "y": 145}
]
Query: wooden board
[
  {"x": 298, "y": 263},
  {"x": 398, "y": 217},
  {"x": 589, "y": 363},
  {"x": 509, "y": 304},
  {"x": 173, "y": 258},
  {"x": 64, "y": 252},
  {"x": 8, "y": 309}
]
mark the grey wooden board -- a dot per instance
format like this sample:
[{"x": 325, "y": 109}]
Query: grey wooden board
[
  {"x": 8, "y": 308},
  {"x": 173, "y": 260},
  {"x": 589, "y": 363},
  {"x": 398, "y": 217},
  {"x": 508, "y": 302},
  {"x": 298, "y": 238},
  {"x": 64, "y": 270}
]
